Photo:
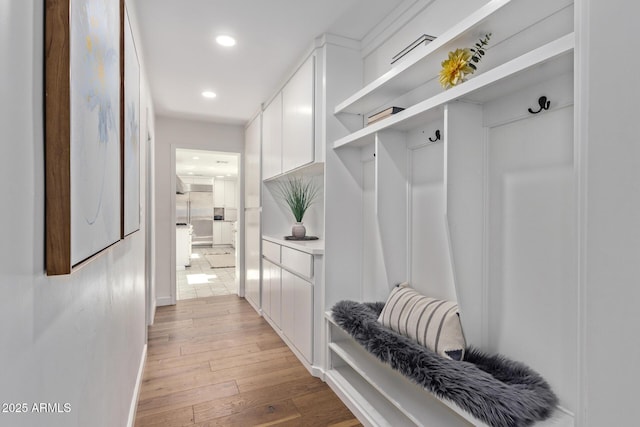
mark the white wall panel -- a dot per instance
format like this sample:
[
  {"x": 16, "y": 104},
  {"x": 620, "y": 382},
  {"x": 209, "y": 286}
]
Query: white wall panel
[
  {"x": 78, "y": 338},
  {"x": 532, "y": 247},
  {"x": 374, "y": 276},
  {"x": 430, "y": 262}
]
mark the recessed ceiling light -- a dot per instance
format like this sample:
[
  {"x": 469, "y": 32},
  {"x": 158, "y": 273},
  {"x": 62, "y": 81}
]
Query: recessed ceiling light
[
  {"x": 225, "y": 40},
  {"x": 190, "y": 173},
  {"x": 209, "y": 94},
  {"x": 220, "y": 176},
  {"x": 196, "y": 158}
]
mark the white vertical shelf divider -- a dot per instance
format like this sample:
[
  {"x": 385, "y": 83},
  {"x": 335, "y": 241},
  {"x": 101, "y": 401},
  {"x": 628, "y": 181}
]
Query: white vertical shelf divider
[
  {"x": 464, "y": 193},
  {"x": 391, "y": 202}
]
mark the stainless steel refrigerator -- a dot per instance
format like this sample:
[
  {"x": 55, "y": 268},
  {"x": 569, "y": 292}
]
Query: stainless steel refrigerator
[{"x": 195, "y": 207}]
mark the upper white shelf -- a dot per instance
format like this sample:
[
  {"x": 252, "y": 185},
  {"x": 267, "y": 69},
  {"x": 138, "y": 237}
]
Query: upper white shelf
[
  {"x": 502, "y": 18},
  {"x": 538, "y": 65}
]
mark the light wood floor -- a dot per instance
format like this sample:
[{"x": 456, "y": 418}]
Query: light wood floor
[{"x": 214, "y": 362}]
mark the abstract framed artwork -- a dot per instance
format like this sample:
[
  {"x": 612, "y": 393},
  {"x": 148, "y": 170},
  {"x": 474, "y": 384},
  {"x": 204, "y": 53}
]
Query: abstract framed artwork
[
  {"x": 82, "y": 130},
  {"x": 131, "y": 137}
]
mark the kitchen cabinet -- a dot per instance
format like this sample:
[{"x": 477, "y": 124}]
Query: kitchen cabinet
[
  {"x": 229, "y": 194},
  {"x": 183, "y": 246},
  {"x": 303, "y": 317},
  {"x": 272, "y": 138},
  {"x": 288, "y": 124},
  {"x": 252, "y": 230},
  {"x": 287, "y": 310},
  {"x": 297, "y": 312},
  {"x": 218, "y": 193},
  {"x": 224, "y": 193},
  {"x": 252, "y": 258},
  {"x": 222, "y": 233},
  {"x": 217, "y": 232},
  {"x": 288, "y": 283},
  {"x": 298, "y": 119},
  {"x": 226, "y": 232},
  {"x": 271, "y": 295}
]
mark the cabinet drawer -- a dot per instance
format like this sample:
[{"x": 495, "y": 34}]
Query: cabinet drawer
[
  {"x": 297, "y": 261},
  {"x": 271, "y": 251}
]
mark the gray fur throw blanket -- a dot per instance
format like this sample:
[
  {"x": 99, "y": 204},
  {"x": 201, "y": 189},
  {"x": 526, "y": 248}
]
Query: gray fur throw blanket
[{"x": 495, "y": 390}]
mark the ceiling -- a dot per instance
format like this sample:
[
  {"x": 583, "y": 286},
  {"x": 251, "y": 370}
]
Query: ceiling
[
  {"x": 210, "y": 164},
  {"x": 182, "y": 59}
]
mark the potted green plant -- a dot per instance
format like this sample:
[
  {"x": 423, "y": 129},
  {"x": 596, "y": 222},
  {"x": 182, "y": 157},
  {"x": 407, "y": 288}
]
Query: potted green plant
[{"x": 299, "y": 194}]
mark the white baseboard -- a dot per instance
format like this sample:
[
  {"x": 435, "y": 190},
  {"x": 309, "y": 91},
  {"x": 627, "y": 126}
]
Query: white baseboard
[
  {"x": 136, "y": 390},
  {"x": 152, "y": 313},
  {"x": 314, "y": 370},
  {"x": 254, "y": 305},
  {"x": 161, "y": 301}
]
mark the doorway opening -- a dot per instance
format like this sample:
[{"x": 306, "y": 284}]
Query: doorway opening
[{"x": 207, "y": 203}]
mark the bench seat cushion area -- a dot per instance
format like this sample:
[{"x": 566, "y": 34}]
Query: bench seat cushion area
[{"x": 495, "y": 390}]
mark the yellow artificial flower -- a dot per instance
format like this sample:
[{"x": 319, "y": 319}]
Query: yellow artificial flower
[{"x": 455, "y": 68}]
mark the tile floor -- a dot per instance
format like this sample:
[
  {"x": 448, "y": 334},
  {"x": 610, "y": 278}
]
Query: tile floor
[{"x": 200, "y": 280}]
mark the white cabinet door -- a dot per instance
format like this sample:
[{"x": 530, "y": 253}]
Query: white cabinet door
[
  {"x": 271, "y": 289},
  {"x": 297, "y": 312},
  {"x": 275, "y": 294},
  {"x": 303, "y": 326},
  {"x": 225, "y": 233},
  {"x": 218, "y": 193},
  {"x": 183, "y": 246},
  {"x": 252, "y": 176},
  {"x": 272, "y": 138},
  {"x": 217, "y": 232},
  {"x": 266, "y": 287},
  {"x": 298, "y": 118},
  {"x": 229, "y": 194},
  {"x": 252, "y": 256},
  {"x": 287, "y": 314}
]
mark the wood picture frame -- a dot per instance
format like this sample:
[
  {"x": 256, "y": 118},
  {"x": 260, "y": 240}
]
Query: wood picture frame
[
  {"x": 130, "y": 131},
  {"x": 83, "y": 153}
]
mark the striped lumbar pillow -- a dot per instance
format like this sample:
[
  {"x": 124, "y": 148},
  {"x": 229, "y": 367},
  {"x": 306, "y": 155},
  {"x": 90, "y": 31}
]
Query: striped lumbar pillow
[{"x": 431, "y": 322}]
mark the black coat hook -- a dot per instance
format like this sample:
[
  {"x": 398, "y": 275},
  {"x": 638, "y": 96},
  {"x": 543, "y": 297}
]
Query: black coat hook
[
  {"x": 437, "y": 138},
  {"x": 543, "y": 103}
]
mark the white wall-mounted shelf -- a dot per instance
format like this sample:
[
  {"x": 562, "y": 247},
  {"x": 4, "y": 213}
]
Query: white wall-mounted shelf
[
  {"x": 533, "y": 67},
  {"x": 363, "y": 400},
  {"x": 502, "y": 18}
]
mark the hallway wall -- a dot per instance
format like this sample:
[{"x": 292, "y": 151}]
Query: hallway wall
[
  {"x": 75, "y": 339},
  {"x": 610, "y": 222},
  {"x": 182, "y": 133}
]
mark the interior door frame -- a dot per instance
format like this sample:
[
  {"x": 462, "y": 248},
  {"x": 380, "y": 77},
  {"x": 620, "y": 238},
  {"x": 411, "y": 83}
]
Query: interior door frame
[{"x": 172, "y": 197}]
